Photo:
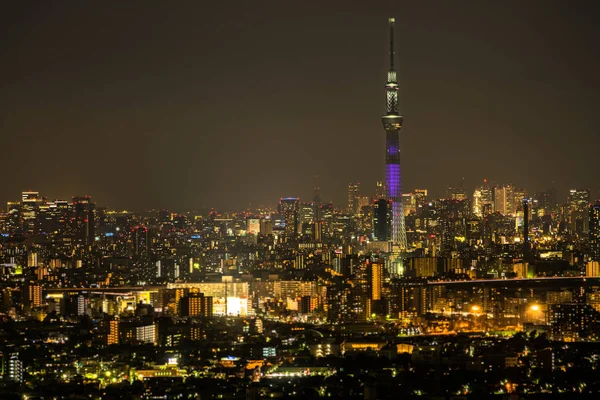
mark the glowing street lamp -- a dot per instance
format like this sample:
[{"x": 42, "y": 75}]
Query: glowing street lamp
[{"x": 535, "y": 309}]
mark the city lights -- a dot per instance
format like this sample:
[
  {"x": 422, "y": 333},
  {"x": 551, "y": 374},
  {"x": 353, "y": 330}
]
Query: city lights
[{"x": 201, "y": 202}]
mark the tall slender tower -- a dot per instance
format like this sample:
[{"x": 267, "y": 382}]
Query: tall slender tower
[{"x": 392, "y": 123}]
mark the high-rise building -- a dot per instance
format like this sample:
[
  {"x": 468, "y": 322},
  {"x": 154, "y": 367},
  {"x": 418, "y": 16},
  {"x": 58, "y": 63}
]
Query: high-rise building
[
  {"x": 252, "y": 226},
  {"x": 592, "y": 269},
  {"x": 363, "y": 201},
  {"x": 339, "y": 301},
  {"x": 504, "y": 200},
  {"x": 289, "y": 210},
  {"x": 420, "y": 196},
  {"x": 113, "y": 331},
  {"x": 559, "y": 297},
  {"x": 408, "y": 298},
  {"x": 546, "y": 202},
  {"x": 266, "y": 226},
  {"x": 376, "y": 278},
  {"x": 579, "y": 199},
  {"x": 518, "y": 196},
  {"x": 353, "y": 195},
  {"x": 147, "y": 333},
  {"x": 30, "y": 202},
  {"x": 381, "y": 219},
  {"x": 34, "y": 295},
  {"x": 326, "y": 219},
  {"x": 409, "y": 203},
  {"x": 392, "y": 123},
  {"x": 140, "y": 240},
  {"x": 452, "y": 219},
  {"x": 195, "y": 305},
  {"x": 307, "y": 213},
  {"x": 83, "y": 209},
  {"x": 473, "y": 231},
  {"x": 578, "y": 214},
  {"x": 14, "y": 368},
  {"x": 456, "y": 192},
  {"x": 13, "y": 221},
  {"x": 594, "y": 212},
  {"x": 570, "y": 321},
  {"x": 482, "y": 197},
  {"x": 526, "y": 244},
  {"x": 317, "y": 193},
  {"x": 380, "y": 191},
  {"x": 423, "y": 267}
]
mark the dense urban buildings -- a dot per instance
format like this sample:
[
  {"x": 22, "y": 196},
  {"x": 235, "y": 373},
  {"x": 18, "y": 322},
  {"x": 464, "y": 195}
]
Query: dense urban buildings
[
  {"x": 262, "y": 294},
  {"x": 394, "y": 294}
]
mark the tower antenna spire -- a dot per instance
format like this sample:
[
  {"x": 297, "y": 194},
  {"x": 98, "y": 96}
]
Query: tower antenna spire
[{"x": 391, "y": 23}]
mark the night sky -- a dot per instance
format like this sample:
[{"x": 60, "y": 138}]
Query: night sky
[{"x": 197, "y": 104}]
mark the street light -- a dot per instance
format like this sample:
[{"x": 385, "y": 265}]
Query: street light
[
  {"x": 476, "y": 310},
  {"x": 536, "y": 308}
]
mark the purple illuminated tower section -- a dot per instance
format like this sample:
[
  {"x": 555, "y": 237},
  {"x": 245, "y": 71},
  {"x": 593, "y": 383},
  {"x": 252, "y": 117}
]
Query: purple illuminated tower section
[{"x": 392, "y": 123}]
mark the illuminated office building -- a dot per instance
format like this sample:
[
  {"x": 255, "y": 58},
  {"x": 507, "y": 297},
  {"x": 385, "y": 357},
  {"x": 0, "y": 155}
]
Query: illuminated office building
[
  {"x": 353, "y": 195},
  {"x": 504, "y": 200},
  {"x": 380, "y": 191},
  {"x": 578, "y": 199},
  {"x": 252, "y": 226},
  {"x": 483, "y": 199},
  {"x": 376, "y": 278},
  {"x": 289, "y": 210},
  {"x": 420, "y": 196},
  {"x": 409, "y": 203},
  {"x": 30, "y": 202},
  {"x": 594, "y": 216}
]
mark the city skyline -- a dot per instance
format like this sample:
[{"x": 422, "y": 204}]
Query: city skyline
[
  {"x": 471, "y": 193},
  {"x": 158, "y": 115},
  {"x": 207, "y": 201}
]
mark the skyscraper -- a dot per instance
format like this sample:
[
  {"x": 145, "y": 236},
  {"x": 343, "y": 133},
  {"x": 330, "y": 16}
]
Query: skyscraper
[
  {"x": 353, "y": 195},
  {"x": 392, "y": 123},
  {"x": 545, "y": 203},
  {"x": 140, "y": 241},
  {"x": 380, "y": 191},
  {"x": 483, "y": 196},
  {"x": 83, "y": 210},
  {"x": 288, "y": 209},
  {"x": 594, "y": 211},
  {"x": 380, "y": 220},
  {"x": 504, "y": 200},
  {"x": 457, "y": 192},
  {"x": 578, "y": 199},
  {"x": 376, "y": 280},
  {"x": 30, "y": 202},
  {"x": 526, "y": 244}
]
